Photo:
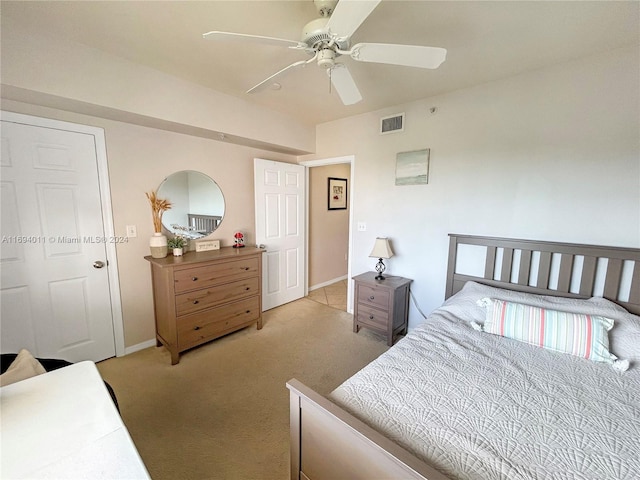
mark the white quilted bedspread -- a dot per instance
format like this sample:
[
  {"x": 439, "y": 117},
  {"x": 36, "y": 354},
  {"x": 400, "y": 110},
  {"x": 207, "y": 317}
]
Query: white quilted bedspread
[{"x": 478, "y": 406}]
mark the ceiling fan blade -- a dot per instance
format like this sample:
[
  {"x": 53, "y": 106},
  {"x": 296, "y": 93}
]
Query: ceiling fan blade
[
  {"x": 343, "y": 82},
  {"x": 408, "y": 55},
  {"x": 349, "y": 15},
  {"x": 245, "y": 38},
  {"x": 263, "y": 84}
]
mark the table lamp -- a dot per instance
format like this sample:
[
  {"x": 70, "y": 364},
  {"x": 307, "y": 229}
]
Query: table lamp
[{"x": 381, "y": 249}]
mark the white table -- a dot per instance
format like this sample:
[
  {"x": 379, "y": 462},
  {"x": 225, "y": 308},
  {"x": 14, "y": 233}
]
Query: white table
[{"x": 63, "y": 424}]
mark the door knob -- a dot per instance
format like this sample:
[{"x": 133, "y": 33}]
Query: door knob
[{"x": 98, "y": 264}]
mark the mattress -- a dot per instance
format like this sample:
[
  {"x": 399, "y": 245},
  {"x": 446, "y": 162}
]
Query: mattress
[{"x": 480, "y": 406}]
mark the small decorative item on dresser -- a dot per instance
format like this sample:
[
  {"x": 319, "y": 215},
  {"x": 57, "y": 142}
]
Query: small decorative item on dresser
[
  {"x": 239, "y": 240},
  {"x": 206, "y": 245},
  {"x": 158, "y": 245},
  {"x": 178, "y": 244},
  {"x": 381, "y": 249},
  {"x": 158, "y": 242}
]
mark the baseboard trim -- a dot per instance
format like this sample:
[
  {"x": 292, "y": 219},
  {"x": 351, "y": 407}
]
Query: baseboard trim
[
  {"x": 140, "y": 346},
  {"x": 329, "y": 282}
]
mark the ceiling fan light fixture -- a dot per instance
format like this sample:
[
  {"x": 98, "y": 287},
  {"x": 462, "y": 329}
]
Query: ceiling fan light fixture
[{"x": 326, "y": 58}]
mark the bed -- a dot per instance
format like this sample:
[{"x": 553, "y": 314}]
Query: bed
[{"x": 450, "y": 401}]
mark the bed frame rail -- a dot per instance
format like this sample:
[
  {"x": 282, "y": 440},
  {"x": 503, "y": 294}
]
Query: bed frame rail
[
  {"x": 574, "y": 270},
  {"x": 327, "y": 443}
]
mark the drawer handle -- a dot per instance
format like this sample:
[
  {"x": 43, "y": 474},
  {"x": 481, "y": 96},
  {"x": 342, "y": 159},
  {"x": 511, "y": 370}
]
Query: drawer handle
[
  {"x": 195, "y": 302},
  {"x": 371, "y": 297},
  {"x": 194, "y": 279},
  {"x": 370, "y": 317},
  {"x": 244, "y": 268},
  {"x": 196, "y": 328},
  {"x": 248, "y": 288}
]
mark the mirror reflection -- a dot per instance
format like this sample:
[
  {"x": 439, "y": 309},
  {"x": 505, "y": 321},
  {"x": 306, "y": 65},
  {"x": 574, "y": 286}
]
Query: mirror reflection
[{"x": 197, "y": 204}]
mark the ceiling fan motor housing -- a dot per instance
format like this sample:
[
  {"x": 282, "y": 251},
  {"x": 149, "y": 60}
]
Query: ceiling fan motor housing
[{"x": 316, "y": 35}]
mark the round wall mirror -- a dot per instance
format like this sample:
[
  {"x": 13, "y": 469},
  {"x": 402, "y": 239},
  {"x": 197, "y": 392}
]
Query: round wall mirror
[{"x": 197, "y": 204}]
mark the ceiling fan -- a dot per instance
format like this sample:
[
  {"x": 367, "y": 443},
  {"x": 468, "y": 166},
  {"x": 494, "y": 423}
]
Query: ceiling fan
[{"x": 328, "y": 37}]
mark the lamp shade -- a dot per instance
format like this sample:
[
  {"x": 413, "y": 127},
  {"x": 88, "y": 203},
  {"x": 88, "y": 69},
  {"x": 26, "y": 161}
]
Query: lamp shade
[{"x": 381, "y": 249}]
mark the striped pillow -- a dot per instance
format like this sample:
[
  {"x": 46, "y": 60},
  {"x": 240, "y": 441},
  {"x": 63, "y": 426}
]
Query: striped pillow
[{"x": 574, "y": 333}]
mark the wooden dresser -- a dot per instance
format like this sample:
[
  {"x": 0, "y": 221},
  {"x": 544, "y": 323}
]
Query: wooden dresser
[
  {"x": 381, "y": 305},
  {"x": 202, "y": 296}
]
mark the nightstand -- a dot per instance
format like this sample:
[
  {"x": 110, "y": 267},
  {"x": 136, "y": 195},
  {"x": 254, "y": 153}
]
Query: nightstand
[{"x": 381, "y": 305}]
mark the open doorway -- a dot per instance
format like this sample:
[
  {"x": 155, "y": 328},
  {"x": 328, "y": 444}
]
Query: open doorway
[{"x": 329, "y": 231}]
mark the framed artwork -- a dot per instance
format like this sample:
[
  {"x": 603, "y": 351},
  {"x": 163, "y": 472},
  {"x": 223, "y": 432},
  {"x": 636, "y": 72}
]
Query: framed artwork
[
  {"x": 337, "y": 193},
  {"x": 412, "y": 168}
]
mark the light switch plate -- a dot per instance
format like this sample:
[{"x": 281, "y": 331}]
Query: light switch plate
[{"x": 206, "y": 245}]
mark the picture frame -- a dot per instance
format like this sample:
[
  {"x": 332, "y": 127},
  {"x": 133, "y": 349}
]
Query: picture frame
[
  {"x": 337, "y": 193},
  {"x": 412, "y": 168}
]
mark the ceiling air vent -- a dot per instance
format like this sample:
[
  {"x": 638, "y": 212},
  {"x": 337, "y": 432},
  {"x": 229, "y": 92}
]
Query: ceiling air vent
[{"x": 392, "y": 124}]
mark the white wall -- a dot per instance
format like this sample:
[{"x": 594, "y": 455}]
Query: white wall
[{"x": 552, "y": 154}]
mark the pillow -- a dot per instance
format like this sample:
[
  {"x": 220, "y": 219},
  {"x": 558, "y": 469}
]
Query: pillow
[
  {"x": 23, "y": 367},
  {"x": 577, "y": 334},
  {"x": 624, "y": 339}
]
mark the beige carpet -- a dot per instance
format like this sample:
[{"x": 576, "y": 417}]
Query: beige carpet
[{"x": 223, "y": 411}]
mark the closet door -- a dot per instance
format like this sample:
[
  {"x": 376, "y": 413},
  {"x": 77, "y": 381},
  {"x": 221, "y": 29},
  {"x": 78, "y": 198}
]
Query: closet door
[{"x": 55, "y": 292}]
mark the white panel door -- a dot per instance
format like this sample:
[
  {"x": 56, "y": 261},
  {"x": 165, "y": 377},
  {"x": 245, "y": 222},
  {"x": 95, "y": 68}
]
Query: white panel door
[
  {"x": 280, "y": 207},
  {"x": 54, "y": 301}
]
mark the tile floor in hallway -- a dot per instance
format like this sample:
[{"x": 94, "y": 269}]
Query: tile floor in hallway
[{"x": 334, "y": 295}]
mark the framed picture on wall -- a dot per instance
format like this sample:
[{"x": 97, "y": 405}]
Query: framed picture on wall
[
  {"x": 337, "y": 194},
  {"x": 412, "y": 168}
]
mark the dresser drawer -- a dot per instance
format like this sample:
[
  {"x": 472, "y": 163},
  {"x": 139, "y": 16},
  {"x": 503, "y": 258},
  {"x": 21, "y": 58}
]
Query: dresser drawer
[
  {"x": 372, "y": 296},
  {"x": 198, "y": 328},
  {"x": 192, "y": 302},
  {"x": 214, "y": 274},
  {"x": 373, "y": 317}
]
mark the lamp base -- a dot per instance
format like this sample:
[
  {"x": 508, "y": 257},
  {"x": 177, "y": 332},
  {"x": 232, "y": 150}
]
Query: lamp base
[{"x": 380, "y": 268}]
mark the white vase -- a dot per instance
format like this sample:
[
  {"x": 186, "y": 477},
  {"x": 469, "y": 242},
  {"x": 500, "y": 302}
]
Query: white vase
[
  {"x": 158, "y": 245},
  {"x": 177, "y": 252}
]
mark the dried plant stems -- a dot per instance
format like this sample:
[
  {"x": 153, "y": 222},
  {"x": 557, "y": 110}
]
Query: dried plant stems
[{"x": 158, "y": 207}]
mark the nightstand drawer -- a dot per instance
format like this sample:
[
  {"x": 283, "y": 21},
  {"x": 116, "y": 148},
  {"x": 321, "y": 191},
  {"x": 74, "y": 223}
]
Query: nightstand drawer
[
  {"x": 372, "y": 317},
  {"x": 373, "y": 296}
]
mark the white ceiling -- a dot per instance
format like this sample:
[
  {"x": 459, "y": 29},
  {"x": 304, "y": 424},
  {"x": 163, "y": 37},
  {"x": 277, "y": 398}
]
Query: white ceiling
[{"x": 485, "y": 40}]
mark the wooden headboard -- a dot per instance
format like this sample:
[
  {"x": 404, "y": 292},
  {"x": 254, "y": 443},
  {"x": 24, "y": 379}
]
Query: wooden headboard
[
  {"x": 204, "y": 223},
  {"x": 551, "y": 268}
]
